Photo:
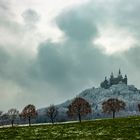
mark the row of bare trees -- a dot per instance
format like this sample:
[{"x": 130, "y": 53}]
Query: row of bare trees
[
  {"x": 78, "y": 108},
  {"x": 28, "y": 113}
]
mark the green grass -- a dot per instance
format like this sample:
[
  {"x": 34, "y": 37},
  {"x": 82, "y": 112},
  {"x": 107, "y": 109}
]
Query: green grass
[{"x": 106, "y": 129}]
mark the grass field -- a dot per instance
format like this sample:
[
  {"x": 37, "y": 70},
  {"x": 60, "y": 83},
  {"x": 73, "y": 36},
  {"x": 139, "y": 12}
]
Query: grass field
[{"x": 106, "y": 129}]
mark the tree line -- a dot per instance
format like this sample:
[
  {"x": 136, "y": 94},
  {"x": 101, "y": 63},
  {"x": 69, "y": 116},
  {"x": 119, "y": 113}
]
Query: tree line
[{"x": 77, "y": 109}]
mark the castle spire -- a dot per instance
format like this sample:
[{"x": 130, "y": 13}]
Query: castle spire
[
  {"x": 119, "y": 72},
  {"x": 112, "y": 75},
  {"x": 120, "y": 76}
]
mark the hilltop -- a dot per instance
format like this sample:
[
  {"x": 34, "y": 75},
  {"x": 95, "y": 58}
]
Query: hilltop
[{"x": 95, "y": 96}]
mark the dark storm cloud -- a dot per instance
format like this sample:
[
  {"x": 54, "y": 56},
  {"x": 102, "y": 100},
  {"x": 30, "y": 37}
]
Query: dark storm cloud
[
  {"x": 11, "y": 67},
  {"x": 76, "y": 62},
  {"x": 76, "y": 26},
  {"x": 65, "y": 68}
]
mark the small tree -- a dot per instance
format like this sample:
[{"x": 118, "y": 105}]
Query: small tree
[
  {"x": 78, "y": 108},
  {"x": 4, "y": 118},
  {"x": 113, "y": 105},
  {"x": 29, "y": 112},
  {"x": 12, "y": 115},
  {"x": 52, "y": 112}
]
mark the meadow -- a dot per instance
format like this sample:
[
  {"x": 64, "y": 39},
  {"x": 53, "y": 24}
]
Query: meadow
[{"x": 105, "y": 129}]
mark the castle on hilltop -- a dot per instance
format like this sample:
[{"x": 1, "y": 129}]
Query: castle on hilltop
[{"x": 114, "y": 80}]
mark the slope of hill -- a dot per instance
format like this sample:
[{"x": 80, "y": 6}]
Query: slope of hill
[
  {"x": 105, "y": 129},
  {"x": 95, "y": 96}
]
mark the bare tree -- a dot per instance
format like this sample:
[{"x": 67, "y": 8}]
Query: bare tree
[
  {"x": 12, "y": 115},
  {"x": 78, "y": 108},
  {"x": 113, "y": 105},
  {"x": 52, "y": 112},
  {"x": 4, "y": 118},
  {"x": 29, "y": 112}
]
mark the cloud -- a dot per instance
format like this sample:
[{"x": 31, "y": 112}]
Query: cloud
[
  {"x": 15, "y": 35},
  {"x": 76, "y": 63},
  {"x": 31, "y": 17},
  {"x": 3, "y": 5},
  {"x": 57, "y": 71},
  {"x": 76, "y": 26}
]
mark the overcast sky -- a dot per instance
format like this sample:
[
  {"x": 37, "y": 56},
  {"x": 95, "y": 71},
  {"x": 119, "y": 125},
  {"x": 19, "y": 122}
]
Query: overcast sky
[{"x": 51, "y": 50}]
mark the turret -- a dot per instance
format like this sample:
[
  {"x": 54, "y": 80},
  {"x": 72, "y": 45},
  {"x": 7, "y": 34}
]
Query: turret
[
  {"x": 125, "y": 79},
  {"x": 120, "y": 78},
  {"x": 105, "y": 84},
  {"x": 119, "y": 72},
  {"x": 111, "y": 78}
]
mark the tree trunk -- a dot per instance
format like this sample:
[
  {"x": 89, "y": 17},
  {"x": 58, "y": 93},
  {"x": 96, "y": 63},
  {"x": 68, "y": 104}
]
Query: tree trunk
[
  {"x": 52, "y": 121},
  {"x": 29, "y": 121},
  {"x": 79, "y": 116},
  {"x": 113, "y": 114},
  {"x": 12, "y": 122}
]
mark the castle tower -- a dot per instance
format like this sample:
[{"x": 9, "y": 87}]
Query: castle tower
[
  {"x": 120, "y": 78},
  {"x": 111, "y": 76},
  {"x": 119, "y": 72},
  {"x": 111, "y": 79},
  {"x": 125, "y": 79},
  {"x": 105, "y": 84}
]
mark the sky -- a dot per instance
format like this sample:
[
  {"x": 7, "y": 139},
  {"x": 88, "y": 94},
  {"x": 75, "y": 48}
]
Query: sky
[{"x": 52, "y": 50}]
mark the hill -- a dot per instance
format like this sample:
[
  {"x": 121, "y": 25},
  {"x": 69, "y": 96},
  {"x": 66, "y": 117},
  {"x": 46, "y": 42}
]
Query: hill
[
  {"x": 95, "y": 96},
  {"x": 105, "y": 129}
]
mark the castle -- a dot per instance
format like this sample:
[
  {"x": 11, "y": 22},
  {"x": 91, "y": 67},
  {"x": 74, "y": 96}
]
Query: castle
[{"x": 107, "y": 83}]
